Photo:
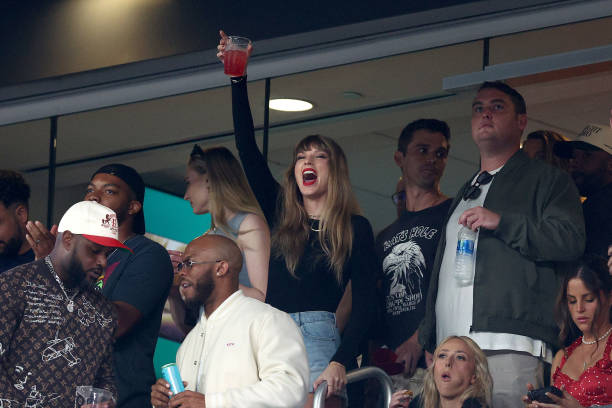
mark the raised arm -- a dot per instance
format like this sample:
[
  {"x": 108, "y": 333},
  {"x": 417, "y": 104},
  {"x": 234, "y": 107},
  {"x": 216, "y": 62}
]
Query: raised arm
[{"x": 258, "y": 173}]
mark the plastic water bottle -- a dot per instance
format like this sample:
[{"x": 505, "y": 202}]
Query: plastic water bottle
[{"x": 464, "y": 258}]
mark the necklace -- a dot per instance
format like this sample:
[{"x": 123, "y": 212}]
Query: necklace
[
  {"x": 606, "y": 334},
  {"x": 312, "y": 228},
  {"x": 70, "y": 305}
]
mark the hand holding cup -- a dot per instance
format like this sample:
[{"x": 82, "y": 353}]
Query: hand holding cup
[{"x": 234, "y": 52}]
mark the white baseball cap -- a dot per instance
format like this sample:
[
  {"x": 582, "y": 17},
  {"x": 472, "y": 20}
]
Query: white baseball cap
[
  {"x": 94, "y": 221},
  {"x": 592, "y": 137}
]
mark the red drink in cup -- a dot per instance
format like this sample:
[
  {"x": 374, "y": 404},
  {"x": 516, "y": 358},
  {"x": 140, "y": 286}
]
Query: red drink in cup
[{"x": 235, "y": 56}]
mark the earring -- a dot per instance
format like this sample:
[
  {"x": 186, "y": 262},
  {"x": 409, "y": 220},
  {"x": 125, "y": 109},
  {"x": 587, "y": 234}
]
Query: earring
[{"x": 218, "y": 273}]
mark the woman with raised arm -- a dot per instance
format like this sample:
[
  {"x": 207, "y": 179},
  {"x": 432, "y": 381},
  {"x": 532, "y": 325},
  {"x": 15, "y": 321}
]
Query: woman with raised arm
[
  {"x": 217, "y": 185},
  {"x": 582, "y": 369},
  {"x": 319, "y": 244}
]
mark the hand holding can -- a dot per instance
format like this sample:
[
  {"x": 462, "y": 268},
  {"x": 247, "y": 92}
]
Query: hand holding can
[{"x": 171, "y": 374}]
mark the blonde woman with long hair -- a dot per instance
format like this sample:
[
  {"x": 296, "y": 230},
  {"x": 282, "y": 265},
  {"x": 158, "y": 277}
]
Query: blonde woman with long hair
[
  {"x": 217, "y": 185},
  {"x": 320, "y": 243},
  {"x": 458, "y": 378},
  {"x": 541, "y": 145}
]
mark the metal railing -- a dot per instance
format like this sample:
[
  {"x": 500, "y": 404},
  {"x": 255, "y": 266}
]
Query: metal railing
[{"x": 354, "y": 376}]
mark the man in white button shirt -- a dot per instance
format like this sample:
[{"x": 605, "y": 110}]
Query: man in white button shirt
[
  {"x": 242, "y": 352},
  {"x": 528, "y": 216}
]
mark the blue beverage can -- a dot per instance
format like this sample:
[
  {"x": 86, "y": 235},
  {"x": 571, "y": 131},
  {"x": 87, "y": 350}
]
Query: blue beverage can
[{"x": 170, "y": 372}]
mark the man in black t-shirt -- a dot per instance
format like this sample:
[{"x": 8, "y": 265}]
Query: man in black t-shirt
[
  {"x": 14, "y": 195},
  {"x": 406, "y": 248}
]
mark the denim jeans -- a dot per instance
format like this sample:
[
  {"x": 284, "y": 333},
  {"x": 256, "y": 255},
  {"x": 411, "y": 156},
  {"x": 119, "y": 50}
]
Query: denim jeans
[{"x": 321, "y": 338}]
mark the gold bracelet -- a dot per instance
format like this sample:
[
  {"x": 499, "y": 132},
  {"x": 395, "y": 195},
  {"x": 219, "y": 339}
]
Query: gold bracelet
[{"x": 337, "y": 364}]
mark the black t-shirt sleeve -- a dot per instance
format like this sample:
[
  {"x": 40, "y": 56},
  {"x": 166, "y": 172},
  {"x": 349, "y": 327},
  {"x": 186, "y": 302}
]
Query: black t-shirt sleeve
[
  {"x": 258, "y": 173},
  {"x": 146, "y": 280},
  {"x": 362, "y": 270}
]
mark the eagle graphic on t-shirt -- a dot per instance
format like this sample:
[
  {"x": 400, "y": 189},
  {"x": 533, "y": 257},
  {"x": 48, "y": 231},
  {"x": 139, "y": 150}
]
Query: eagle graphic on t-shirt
[{"x": 406, "y": 264}]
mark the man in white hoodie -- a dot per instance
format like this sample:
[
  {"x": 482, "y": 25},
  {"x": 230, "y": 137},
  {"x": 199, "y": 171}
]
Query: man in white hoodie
[{"x": 242, "y": 352}]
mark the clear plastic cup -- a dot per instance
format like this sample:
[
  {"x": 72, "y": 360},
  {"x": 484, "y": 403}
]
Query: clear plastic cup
[
  {"x": 91, "y": 397},
  {"x": 235, "y": 55}
]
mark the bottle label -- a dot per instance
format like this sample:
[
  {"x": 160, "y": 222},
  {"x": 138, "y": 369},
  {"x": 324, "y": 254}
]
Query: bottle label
[{"x": 465, "y": 247}]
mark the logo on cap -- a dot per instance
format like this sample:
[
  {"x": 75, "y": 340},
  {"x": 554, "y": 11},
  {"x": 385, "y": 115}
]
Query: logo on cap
[
  {"x": 589, "y": 131},
  {"x": 110, "y": 221}
]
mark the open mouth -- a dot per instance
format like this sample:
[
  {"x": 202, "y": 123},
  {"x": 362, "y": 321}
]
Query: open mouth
[
  {"x": 446, "y": 377},
  {"x": 309, "y": 176}
]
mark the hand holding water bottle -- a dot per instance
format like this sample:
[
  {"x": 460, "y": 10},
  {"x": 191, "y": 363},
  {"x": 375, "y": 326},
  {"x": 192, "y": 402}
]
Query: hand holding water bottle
[
  {"x": 478, "y": 217},
  {"x": 464, "y": 257}
]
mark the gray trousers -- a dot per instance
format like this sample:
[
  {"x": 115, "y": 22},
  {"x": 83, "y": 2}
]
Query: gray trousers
[{"x": 511, "y": 371}]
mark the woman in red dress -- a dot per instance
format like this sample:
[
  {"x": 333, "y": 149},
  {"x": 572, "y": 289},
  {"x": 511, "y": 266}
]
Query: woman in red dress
[{"x": 583, "y": 370}]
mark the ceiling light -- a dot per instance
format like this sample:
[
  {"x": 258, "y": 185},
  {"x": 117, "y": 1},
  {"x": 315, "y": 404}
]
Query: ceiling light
[
  {"x": 351, "y": 95},
  {"x": 290, "y": 105}
]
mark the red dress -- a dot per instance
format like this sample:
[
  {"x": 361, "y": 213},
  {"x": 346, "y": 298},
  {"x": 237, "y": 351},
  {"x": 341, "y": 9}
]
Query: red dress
[{"x": 594, "y": 386}]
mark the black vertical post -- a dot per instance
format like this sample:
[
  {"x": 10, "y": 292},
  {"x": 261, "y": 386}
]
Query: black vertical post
[
  {"x": 51, "y": 191},
  {"x": 266, "y": 120},
  {"x": 485, "y": 54}
]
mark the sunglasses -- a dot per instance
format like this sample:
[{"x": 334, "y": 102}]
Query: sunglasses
[
  {"x": 399, "y": 197},
  {"x": 473, "y": 192},
  {"x": 190, "y": 263}
]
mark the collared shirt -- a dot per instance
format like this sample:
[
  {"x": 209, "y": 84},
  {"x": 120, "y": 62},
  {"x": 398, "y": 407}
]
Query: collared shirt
[
  {"x": 245, "y": 354},
  {"x": 46, "y": 351}
]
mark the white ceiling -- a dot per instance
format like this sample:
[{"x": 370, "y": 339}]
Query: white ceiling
[{"x": 395, "y": 90}]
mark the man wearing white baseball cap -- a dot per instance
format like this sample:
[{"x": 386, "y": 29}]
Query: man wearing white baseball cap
[
  {"x": 590, "y": 157},
  {"x": 56, "y": 330}
]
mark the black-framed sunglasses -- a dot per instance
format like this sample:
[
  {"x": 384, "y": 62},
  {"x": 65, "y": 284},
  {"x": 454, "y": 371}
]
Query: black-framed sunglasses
[
  {"x": 398, "y": 197},
  {"x": 190, "y": 263},
  {"x": 473, "y": 192}
]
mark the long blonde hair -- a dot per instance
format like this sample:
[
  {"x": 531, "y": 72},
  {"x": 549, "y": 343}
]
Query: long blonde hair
[
  {"x": 480, "y": 390},
  {"x": 335, "y": 228},
  {"x": 549, "y": 138},
  {"x": 228, "y": 186}
]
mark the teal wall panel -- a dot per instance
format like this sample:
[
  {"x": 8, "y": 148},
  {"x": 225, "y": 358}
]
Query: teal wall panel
[{"x": 171, "y": 217}]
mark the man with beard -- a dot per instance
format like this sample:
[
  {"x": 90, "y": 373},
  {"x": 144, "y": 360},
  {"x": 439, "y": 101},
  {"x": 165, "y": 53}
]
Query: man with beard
[
  {"x": 241, "y": 352},
  {"x": 136, "y": 282},
  {"x": 590, "y": 157},
  {"x": 406, "y": 248},
  {"x": 14, "y": 195},
  {"x": 56, "y": 330}
]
